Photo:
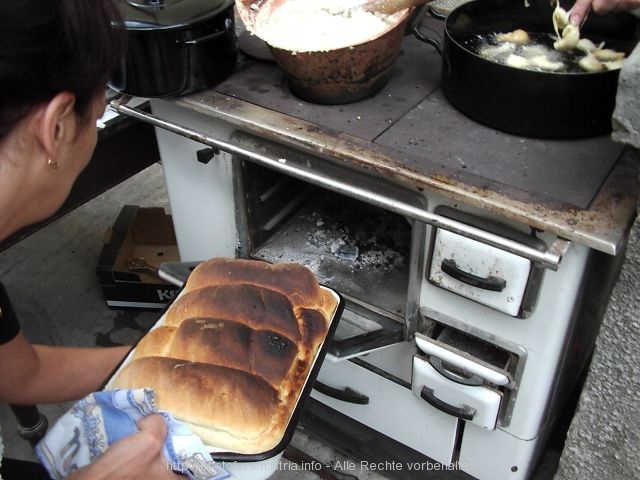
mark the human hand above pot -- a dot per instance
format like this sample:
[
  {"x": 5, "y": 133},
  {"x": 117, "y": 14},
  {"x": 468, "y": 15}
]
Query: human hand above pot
[{"x": 582, "y": 8}]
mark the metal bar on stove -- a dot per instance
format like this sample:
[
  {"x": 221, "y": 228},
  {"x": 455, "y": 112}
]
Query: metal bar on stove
[{"x": 548, "y": 259}]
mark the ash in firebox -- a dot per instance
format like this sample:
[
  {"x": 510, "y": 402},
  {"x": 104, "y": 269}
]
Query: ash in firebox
[
  {"x": 366, "y": 239},
  {"x": 337, "y": 238}
]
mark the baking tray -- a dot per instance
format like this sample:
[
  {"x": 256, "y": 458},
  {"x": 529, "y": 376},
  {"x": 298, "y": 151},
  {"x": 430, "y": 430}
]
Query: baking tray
[{"x": 236, "y": 457}]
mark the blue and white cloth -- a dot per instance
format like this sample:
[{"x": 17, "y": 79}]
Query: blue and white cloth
[{"x": 84, "y": 433}]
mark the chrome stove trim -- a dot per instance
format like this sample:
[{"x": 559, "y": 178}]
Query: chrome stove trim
[
  {"x": 604, "y": 226},
  {"x": 550, "y": 259}
]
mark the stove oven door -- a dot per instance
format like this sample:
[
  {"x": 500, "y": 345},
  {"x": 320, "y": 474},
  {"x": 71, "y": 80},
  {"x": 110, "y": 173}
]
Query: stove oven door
[{"x": 385, "y": 403}]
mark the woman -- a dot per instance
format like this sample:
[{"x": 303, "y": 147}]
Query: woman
[{"x": 55, "y": 59}]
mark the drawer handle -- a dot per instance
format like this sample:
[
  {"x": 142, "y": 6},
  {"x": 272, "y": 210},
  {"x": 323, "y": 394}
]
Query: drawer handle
[
  {"x": 345, "y": 395},
  {"x": 494, "y": 284},
  {"x": 464, "y": 413},
  {"x": 429, "y": 348},
  {"x": 470, "y": 379}
]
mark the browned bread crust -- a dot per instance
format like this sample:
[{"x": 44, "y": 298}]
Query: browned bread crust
[
  {"x": 290, "y": 279},
  {"x": 255, "y": 306},
  {"x": 227, "y": 343},
  {"x": 240, "y": 405},
  {"x": 293, "y": 280}
]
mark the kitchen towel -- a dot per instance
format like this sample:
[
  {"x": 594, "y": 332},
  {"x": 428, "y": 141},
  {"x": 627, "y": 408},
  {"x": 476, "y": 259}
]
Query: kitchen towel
[{"x": 84, "y": 433}]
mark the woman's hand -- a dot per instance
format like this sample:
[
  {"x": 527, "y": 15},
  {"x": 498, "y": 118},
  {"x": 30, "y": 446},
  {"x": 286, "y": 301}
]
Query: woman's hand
[
  {"x": 137, "y": 457},
  {"x": 581, "y": 8}
]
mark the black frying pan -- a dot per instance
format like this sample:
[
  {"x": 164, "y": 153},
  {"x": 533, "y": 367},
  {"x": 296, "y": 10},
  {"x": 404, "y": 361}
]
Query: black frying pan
[{"x": 525, "y": 102}]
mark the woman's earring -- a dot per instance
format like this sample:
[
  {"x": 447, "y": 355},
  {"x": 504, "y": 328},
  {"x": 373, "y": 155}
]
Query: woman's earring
[{"x": 53, "y": 165}]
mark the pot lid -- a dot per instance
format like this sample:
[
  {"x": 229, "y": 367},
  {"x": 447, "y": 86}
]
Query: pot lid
[{"x": 169, "y": 14}]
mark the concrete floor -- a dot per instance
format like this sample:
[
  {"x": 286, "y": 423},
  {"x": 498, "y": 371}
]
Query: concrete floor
[{"x": 51, "y": 279}]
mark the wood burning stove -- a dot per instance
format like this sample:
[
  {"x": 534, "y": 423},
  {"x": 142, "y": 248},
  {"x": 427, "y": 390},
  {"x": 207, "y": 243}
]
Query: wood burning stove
[{"x": 474, "y": 289}]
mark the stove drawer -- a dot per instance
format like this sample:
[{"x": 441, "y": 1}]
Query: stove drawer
[
  {"x": 493, "y": 277},
  {"x": 389, "y": 408},
  {"x": 480, "y": 272},
  {"x": 476, "y": 404}
]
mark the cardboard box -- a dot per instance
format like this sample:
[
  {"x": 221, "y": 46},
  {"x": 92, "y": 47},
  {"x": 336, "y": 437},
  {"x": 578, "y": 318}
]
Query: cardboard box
[{"x": 134, "y": 248}]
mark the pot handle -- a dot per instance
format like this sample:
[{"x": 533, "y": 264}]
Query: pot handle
[
  {"x": 152, "y": 5},
  {"x": 206, "y": 38},
  {"x": 228, "y": 24},
  {"x": 434, "y": 41}
]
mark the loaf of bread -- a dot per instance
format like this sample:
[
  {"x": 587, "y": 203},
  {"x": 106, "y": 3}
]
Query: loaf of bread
[
  {"x": 228, "y": 343},
  {"x": 231, "y": 355},
  {"x": 256, "y": 306},
  {"x": 293, "y": 280},
  {"x": 224, "y": 406}
]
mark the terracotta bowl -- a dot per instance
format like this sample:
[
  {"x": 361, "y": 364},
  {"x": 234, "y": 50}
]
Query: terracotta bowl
[{"x": 336, "y": 76}]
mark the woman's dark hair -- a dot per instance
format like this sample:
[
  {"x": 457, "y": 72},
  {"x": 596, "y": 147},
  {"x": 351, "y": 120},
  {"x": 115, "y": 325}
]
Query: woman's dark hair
[{"x": 52, "y": 46}]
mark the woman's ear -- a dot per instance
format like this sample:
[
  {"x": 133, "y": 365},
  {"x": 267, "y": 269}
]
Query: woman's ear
[{"x": 58, "y": 123}]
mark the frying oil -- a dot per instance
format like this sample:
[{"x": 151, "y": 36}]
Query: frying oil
[{"x": 537, "y": 55}]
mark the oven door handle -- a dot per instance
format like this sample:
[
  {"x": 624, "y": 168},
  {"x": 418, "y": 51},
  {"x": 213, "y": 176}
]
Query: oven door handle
[
  {"x": 465, "y": 412},
  {"x": 550, "y": 258},
  {"x": 491, "y": 283},
  {"x": 345, "y": 395}
]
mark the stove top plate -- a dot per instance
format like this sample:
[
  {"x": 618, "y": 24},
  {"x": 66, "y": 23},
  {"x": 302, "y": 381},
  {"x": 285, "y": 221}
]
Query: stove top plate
[
  {"x": 262, "y": 83},
  {"x": 569, "y": 171},
  {"x": 410, "y": 115}
]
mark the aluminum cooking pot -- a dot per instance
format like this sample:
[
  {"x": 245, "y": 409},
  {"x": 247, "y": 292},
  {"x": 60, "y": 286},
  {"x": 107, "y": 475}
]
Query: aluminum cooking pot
[
  {"x": 176, "y": 47},
  {"x": 525, "y": 102}
]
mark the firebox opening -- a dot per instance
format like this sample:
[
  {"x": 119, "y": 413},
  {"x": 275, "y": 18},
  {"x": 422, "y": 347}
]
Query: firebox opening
[{"x": 360, "y": 250}]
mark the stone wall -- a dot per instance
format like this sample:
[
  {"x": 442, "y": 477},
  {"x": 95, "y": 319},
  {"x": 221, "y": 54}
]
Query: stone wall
[
  {"x": 626, "y": 116},
  {"x": 603, "y": 441}
]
